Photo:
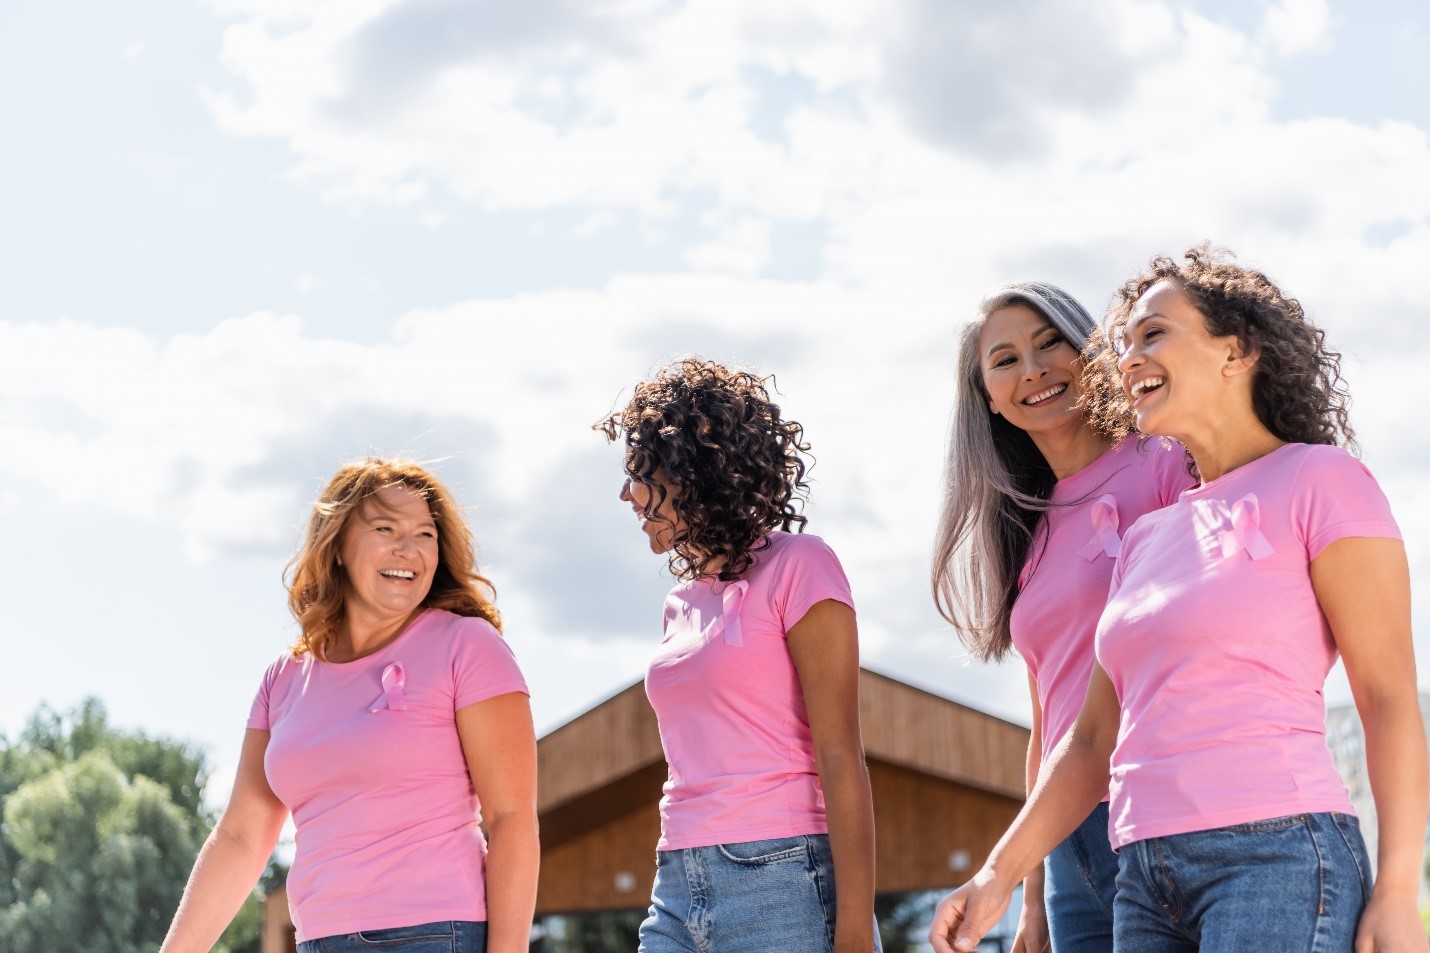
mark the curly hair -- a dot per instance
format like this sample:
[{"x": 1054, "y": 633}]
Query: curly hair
[
  {"x": 736, "y": 466},
  {"x": 317, "y": 585},
  {"x": 1297, "y": 392}
]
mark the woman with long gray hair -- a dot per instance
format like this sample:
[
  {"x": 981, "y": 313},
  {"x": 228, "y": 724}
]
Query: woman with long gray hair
[{"x": 1035, "y": 498}]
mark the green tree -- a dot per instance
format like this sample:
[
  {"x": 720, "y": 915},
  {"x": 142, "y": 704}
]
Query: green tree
[{"x": 100, "y": 828}]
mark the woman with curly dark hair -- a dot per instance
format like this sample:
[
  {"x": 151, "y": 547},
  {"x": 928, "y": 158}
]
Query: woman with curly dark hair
[
  {"x": 767, "y": 823},
  {"x": 1227, "y": 611}
]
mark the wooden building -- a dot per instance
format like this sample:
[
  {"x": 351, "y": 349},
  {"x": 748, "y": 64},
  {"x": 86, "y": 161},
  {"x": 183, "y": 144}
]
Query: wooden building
[{"x": 947, "y": 780}]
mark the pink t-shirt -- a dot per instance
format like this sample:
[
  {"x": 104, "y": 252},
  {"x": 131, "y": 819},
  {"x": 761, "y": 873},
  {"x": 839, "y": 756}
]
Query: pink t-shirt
[
  {"x": 366, "y": 756},
  {"x": 1063, "y": 586},
  {"x": 1218, "y": 648},
  {"x": 728, "y": 701}
]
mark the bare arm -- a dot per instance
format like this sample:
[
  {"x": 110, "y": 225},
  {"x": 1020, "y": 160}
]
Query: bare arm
[
  {"x": 1070, "y": 784},
  {"x": 500, "y": 747},
  {"x": 232, "y": 859},
  {"x": 825, "y": 648},
  {"x": 1363, "y": 587},
  {"x": 1032, "y": 935}
]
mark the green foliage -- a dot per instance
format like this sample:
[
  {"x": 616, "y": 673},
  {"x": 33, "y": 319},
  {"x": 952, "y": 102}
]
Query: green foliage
[
  {"x": 904, "y": 918},
  {"x": 610, "y": 931},
  {"x": 177, "y": 766},
  {"x": 100, "y": 828}
]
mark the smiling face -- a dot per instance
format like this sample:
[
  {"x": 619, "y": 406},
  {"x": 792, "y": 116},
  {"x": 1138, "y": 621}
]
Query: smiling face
[
  {"x": 1176, "y": 374},
  {"x": 1031, "y": 373},
  {"x": 659, "y": 523},
  {"x": 389, "y": 554}
]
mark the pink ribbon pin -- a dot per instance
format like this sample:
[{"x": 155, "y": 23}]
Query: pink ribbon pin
[
  {"x": 393, "y": 681},
  {"x": 732, "y": 600},
  {"x": 1105, "y": 540},
  {"x": 1245, "y": 532}
]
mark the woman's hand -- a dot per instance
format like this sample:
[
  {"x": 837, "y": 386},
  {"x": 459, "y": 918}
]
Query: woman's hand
[
  {"x": 968, "y": 913},
  {"x": 1032, "y": 935},
  {"x": 1374, "y": 639},
  {"x": 1390, "y": 925}
]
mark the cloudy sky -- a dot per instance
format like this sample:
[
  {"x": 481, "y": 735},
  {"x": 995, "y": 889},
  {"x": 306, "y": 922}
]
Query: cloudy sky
[{"x": 246, "y": 240}]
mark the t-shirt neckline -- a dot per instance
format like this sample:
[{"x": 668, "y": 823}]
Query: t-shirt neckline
[
  {"x": 1072, "y": 481},
  {"x": 357, "y": 663},
  {"x": 1246, "y": 467}
]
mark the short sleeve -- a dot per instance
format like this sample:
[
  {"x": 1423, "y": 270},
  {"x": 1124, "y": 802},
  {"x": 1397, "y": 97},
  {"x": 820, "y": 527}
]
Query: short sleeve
[
  {"x": 806, "y": 573},
  {"x": 1335, "y": 497},
  {"x": 483, "y": 665},
  {"x": 258, "y": 716}
]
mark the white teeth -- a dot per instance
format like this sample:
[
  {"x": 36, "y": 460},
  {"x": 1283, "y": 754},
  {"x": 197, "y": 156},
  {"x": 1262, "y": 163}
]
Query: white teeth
[
  {"x": 1041, "y": 396},
  {"x": 398, "y": 573},
  {"x": 1146, "y": 384}
]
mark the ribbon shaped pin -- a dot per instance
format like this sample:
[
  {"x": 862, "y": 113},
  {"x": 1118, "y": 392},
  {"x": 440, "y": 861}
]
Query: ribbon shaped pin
[
  {"x": 393, "y": 681},
  {"x": 1104, "y": 530},
  {"x": 1245, "y": 532},
  {"x": 732, "y": 600}
]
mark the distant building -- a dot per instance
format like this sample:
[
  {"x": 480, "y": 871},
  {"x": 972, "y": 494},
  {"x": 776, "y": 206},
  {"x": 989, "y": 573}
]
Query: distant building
[
  {"x": 1346, "y": 738},
  {"x": 947, "y": 781},
  {"x": 278, "y": 936}
]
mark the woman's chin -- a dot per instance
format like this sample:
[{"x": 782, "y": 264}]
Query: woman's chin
[{"x": 1153, "y": 424}]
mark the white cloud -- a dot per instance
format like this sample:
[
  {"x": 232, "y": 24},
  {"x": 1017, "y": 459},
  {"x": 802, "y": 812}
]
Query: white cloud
[
  {"x": 224, "y": 435},
  {"x": 927, "y": 184},
  {"x": 1298, "y": 26},
  {"x": 1175, "y": 144},
  {"x": 741, "y": 247}
]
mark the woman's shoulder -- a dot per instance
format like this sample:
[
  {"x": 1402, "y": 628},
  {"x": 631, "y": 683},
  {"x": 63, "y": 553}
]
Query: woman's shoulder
[
  {"x": 787, "y": 546},
  {"x": 286, "y": 666},
  {"x": 793, "y": 559},
  {"x": 1323, "y": 456},
  {"x": 453, "y": 628},
  {"x": 1322, "y": 469}
]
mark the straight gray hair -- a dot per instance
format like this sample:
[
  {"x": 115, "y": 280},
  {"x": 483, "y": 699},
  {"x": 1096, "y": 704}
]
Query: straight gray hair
[{"x": 996, "y": 485}]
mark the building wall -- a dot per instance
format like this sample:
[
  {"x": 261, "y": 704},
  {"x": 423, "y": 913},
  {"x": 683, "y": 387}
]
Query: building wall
[
  {"x": 931, "y": 834},
  {"x": 278, "y": 934}
]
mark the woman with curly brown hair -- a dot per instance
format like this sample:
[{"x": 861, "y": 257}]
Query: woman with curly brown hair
[
  {"x": 767, "y": 825},
  {"x": 1227, "y": 611},
  {"x": 394, "y": 727}
]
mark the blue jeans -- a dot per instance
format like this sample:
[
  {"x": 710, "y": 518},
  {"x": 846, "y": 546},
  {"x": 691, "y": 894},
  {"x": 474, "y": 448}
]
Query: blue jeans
[
  {"x": 1079, "y": 884},
  {"x": 752, "y": 897},
  {"x": 443, "y": 936},
  {"x": 1293, "y": 884}
]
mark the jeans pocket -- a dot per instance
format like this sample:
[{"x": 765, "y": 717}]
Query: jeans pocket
[
  {"x": 1266, "y": 826},
  {"x": 1348, "y": 826},
  {"x": 436, "y": 937},
  {"x": 758, "y": 853}
]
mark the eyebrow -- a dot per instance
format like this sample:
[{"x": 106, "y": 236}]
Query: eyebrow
[
  {"x": 998, "y": 347},
  {"x": 1140, "y": 319}
]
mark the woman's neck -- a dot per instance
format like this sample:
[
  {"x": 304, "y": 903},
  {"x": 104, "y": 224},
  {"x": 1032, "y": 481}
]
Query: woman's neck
[
  {"x": 1070, "y": 449},
  {"x": 1219, "y": 450},
  {"x": 363, "y": 634}
]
